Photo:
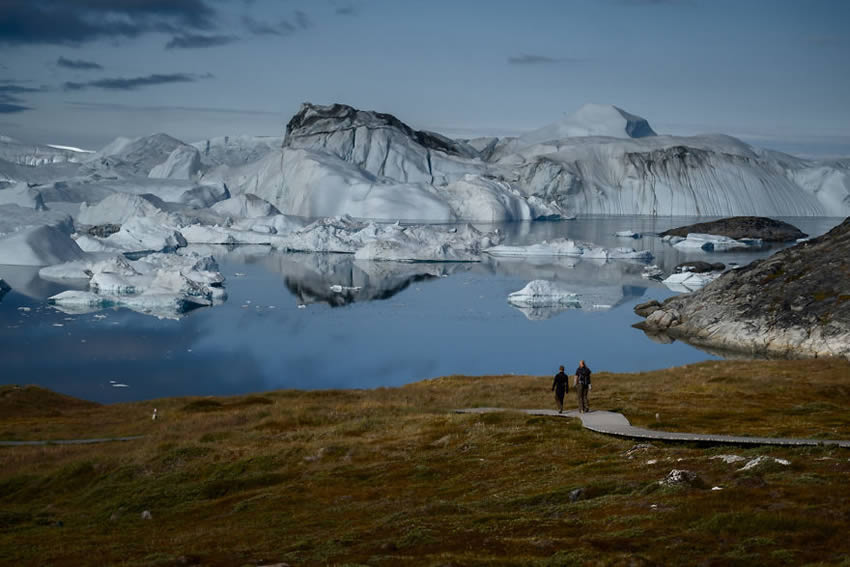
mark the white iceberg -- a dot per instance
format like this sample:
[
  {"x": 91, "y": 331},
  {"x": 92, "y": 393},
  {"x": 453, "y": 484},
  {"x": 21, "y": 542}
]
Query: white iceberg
[
  {"x": 164, "y": 285},
  {"x": 38, "y": 246},
  {"x": 714, "y": 243},
  {"x": 14, "y": 218},
  {"x": 573, "y": 248},
  {"x": 539, "y": 293},
  {"x": 247, "y": 205},
  {"x": 184, "y": 162},
  {"x": 138, "y": 234},
  {"x": 686, "y": 282},
  {"x": 121, "y": 207}
]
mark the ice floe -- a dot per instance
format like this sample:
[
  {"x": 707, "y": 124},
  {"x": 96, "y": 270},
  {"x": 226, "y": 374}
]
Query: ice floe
[
  {"x": 713, "y": 243},
  {"x": 573, "y": 248}
]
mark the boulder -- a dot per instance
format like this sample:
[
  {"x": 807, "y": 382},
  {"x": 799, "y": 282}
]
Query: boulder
[{"x": 647, "y": 308}]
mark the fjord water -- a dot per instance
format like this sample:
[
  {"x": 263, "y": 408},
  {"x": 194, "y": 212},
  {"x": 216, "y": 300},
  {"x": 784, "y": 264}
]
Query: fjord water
[{"x": 328, "y": 321}]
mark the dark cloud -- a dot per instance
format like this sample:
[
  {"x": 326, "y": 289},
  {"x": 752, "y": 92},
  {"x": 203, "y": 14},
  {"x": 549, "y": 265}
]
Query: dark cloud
[
  {"x": 261, "y": 28},
  {"x": 12, "y": 87},
  {"x": 347, "y": 10},
  {"x": 78, "y": 64},
  {"x": 132, "y": 83},
  {"x": 534, "y": 59},
  {"x": 72, "y": 22},
  {"x": 302, "y": 20},
  {"x": 6, "y": 108},
  {"x": 168, "y": 108},
  {"x": 198, "y": 41}
]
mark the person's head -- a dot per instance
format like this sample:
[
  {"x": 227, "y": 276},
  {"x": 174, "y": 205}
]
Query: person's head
[
  {"x": 561, "y": 368},
  {"x": 581, "y": 363}
]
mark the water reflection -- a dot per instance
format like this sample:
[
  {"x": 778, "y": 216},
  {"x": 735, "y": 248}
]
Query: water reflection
[{"x": 363, "y": 324}]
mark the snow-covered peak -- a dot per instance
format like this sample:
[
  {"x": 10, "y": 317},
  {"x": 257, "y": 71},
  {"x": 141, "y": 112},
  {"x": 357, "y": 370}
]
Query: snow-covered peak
[{"x": 593, "y": 120}]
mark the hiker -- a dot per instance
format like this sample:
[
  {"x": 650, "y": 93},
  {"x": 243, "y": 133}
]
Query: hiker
[
  {"x": 582, "y": 383},
  {"x": 560, "y": 385}
]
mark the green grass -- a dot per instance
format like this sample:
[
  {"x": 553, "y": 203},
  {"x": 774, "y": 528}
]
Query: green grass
[{"x": 392, "y": 477}]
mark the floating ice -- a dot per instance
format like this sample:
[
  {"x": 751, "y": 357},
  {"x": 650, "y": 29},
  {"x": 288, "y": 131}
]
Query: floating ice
[
  {"x": 686, "y": 282},
  {"x": 574, "y": 248},
  {"x": 164, "y": 285},
  {"x": 714, "y": 243}
]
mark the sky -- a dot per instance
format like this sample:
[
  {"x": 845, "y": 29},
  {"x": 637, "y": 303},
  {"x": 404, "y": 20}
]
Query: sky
[{"x": 775, "y": 73}]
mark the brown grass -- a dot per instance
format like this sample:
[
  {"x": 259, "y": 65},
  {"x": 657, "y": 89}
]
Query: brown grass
[{"x": 392, "y": 476}]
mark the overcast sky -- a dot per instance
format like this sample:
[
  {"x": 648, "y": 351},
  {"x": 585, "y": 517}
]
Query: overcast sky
[{"x": 81, "y": 72}]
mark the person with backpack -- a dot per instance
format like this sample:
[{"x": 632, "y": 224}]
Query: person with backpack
[
  {"x": 560, "y": 385},
  {"x": 582, "y": 383}
]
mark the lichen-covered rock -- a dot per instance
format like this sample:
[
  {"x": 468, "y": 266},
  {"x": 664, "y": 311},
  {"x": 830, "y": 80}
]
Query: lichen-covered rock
[{"x": 793, "y": 304}]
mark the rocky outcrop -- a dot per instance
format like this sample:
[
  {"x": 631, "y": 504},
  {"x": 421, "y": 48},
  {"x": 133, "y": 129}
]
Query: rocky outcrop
[
  {"x": 766, "y": 229},
  {"x": 793, "y": 304}
]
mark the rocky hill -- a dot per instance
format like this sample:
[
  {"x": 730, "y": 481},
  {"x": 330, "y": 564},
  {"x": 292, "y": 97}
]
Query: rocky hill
[
  {"x": 795, "y": 304},
  {"x": 767, "y": 229}
]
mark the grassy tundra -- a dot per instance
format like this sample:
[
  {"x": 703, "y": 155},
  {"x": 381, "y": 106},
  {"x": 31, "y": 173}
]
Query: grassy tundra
[{"x": 392, "y": 476}]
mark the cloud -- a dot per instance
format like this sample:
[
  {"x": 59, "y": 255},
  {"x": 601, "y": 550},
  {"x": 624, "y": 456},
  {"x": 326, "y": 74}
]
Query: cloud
[
  {"x": 535, "y": 59},
  {"x": 347, "y": 10},
  {"x": 168, "y": 108},
  {"x": 133, "y": 83},
  {"x": 11, "y": 108},
  {"x": 302, "y": 20},
  {"x": 78, "y": 64},
  {"x": 73, "y": 22},
  {"x": 198, "y": 41},
  {"x": 12, "y": 87},
  {"x": 255, "y": 27}
]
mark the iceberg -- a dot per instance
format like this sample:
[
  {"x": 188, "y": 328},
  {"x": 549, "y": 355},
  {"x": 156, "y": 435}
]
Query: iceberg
[
  {"x": 573, "y": 248},
  {"x": 247, "y": 206},
  {"x": 164, "y": 285},
  {"x": 541, "y": 292},
  {"x": 686, "y": 282},
  {"x": 184, "y": 162},
  {"x": 138, "y": 234},
  {"x": 38, "y": 246},
  {"x": 714, "y": 243}
]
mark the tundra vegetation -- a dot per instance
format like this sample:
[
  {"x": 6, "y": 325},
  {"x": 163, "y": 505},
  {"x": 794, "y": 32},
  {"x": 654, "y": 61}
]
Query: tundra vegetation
[{"x": 392, "y": 476}]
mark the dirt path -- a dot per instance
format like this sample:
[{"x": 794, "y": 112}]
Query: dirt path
[{"x": 611, "y": 423}]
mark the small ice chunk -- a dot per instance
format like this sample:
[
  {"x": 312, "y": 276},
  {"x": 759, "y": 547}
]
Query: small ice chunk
[{"x": 628, "y": 234}]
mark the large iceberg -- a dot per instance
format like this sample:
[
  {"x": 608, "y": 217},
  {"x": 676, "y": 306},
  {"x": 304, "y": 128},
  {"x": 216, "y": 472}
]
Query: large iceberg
[
  {"x": 38, "y": 246},
  {"x": 164, "y": 285}
]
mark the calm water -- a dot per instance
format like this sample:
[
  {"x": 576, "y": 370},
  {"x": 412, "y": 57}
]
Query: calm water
[{"x": 283, "y": 327}]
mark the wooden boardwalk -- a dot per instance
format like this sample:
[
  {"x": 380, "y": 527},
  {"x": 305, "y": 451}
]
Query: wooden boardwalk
[{"x": 611, "y": 423}]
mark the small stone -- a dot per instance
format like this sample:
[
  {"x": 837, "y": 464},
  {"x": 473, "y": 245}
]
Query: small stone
[
  {"x": 146, "y": 515},
  {"x": 575, "y": 495},
  {"x": 680, "y": 477}
]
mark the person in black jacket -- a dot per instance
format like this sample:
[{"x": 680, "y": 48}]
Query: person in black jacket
[
  {"x": 582, "y": 386},
  {"x": 560, "y": 385}
]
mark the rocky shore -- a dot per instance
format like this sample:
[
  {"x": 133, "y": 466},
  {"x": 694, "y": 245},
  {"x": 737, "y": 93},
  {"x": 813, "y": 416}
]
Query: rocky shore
[
  {"x": 763, "y": 228},
  {"x": 793, "y": 304}
]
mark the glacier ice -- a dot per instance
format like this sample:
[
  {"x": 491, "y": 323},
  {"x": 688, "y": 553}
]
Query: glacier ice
[{"x": 38, "y": 246}]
